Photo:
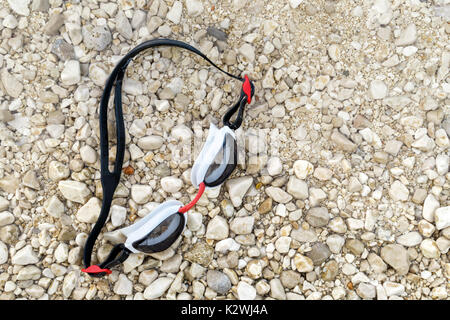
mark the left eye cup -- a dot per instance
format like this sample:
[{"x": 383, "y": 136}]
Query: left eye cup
[{"x": 163, "y": 235}]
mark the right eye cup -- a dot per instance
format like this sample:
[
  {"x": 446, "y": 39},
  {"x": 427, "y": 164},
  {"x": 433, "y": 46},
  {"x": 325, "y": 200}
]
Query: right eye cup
[{"x": 224, "y": 163}]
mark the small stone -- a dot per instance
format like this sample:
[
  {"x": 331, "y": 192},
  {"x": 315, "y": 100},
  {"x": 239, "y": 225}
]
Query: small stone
[
  {"x": 118, "y": 215},
  {"x": 393, "y": 147},
  {"x": 335, "y": 243},
  {"x": 53, "y": 24},
  {"x": 277, "y": 290},
  {"x": 141, "y": 193},
  {"x": 283, "y": 244},
  {"x": 318, "y": 216},
  {"x": 330, "y": 271},
  {"x": 217, "y": 228},
  {"x": 303, "y": 263},
  {"x": 334, "y": 52},
  {"x": 200, "y": 253},
  {"x": 295, "y": 3},
  {"x": 274, "y": 166},
  {"x": 123, "y": 26},
  {"x": 442, "y": 217},
  {"x": 237, "y": 188},
  {"x": 429, "y": 249},
  {"x": 424, "y": 143},
  {"x": 10, "y": 22},
  {"x": 227, "y": 245},
  {"x": 150, "y": 142},
  {"x": 425, "y": 228},
  {"x": 303, "y": 235},
  {"x": 439, "y": 293},
  {"x": 429, "y": 207},
  {"x": 6, "y": 218},
  {"x": 4, "y": 204},
  {"x": 74, "y": 191},
  {"x": 63, "y": 50},
  {"x": 123, "y": 286},
  {"x": 355, "y": 246},
  {"x": 71, "y": 73},
  {"x": 97, "y": 74},
  {"x": 278, "y": 194},
  {"x": 54, "y": 207},
  {"x": 242, "y": 225},
  {"x": 302, "y": 169},
  {"x": 319, "y": 253},
  {"x": 410, "y": 239},
  {"x": 90, "y": 212},
  {"x": 442, "y": 162},
  {"x": 366, "y": 291},
  {"x": 97, "y": 38},
  {"x": 20, "y": 6},
  {"x": 398, "y": 191},
  {"x": 25, "y": 256},
  {"x": 323, "y": 174},
  {"x": 194, "y": 7},
  {"x": 378, "y": 89},
  {"x": 61, "y": 253},
  {"x": 297, "y": 188},
  {"x": 157, "y": 288},
  {"x": 265, "y": 206},
  {"x": 12, "y": 86},
  {"x": 217, "y": 33},
  {"x": 88, "y": 154},
  {"x": 133, "y": 87},
  {"x": 377, "y": 264},
  {"x": 175, "y": 12},
  {"x": 69, "y": 283},
  {"x": 338, "y": 225},
  {"x": 245, "y": 291},
  {"x": 218, "y": 281},
  {"x": 343, "y": 142},
  {"x": 3, "y": 253},
  {"x": 397, "y": 257},
  {"x": 194, "y": 221},
  {"x": 393, "y": 289},
  {"x": 248, "y": 52},
  {"x": 442, "y": 139},
  {"x": 408, "y": 36},
  {"x": 419, "y": 196},
  {"x": 171, "y": 184},
  {"x": 30, "y": 180},
  {"x": 40, "y": 5},
  {"x": 289, "y": 278},
  {"x": 9, "y": 184}
]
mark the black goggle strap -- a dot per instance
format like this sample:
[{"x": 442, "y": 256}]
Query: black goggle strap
[{"x": 109, "y": 179}]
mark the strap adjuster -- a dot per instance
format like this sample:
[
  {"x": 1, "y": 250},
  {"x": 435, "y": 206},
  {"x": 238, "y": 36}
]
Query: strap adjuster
[
  {"x": 94, "y": 270},
  {"x": 247, "y": 89}
]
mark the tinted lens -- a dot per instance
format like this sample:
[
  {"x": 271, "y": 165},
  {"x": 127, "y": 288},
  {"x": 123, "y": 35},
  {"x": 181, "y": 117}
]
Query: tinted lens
[
  {"x": 224, "y": 163},
  {"x": 162, "y": 237}
]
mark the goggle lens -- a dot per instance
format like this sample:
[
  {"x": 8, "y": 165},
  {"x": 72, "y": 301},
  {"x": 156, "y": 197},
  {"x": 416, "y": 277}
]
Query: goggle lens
[
  {"x": 224, "y": 163},
  {"x": 163, "y": 236}
]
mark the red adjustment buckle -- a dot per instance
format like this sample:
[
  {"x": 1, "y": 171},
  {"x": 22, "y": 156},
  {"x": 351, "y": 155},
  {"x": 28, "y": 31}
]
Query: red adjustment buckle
[
  {"x": 247, "y": 88},
  {"x": 96, "y": 269}
]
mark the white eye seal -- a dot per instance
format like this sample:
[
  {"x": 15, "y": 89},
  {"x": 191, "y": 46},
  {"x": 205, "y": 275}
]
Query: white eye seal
[{"x": 217, "y": 159}]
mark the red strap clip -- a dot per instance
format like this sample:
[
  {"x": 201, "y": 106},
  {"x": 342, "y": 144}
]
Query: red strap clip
[
  {"x": 247, "y": 88},
  {"x": 96, "y": 269}
]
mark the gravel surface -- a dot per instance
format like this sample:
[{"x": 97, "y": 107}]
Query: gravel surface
[{"x": 343, "y": 186}]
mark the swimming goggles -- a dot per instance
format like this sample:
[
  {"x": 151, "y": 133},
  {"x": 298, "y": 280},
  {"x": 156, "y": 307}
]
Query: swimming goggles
[{"x": 159, "y": 229}]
